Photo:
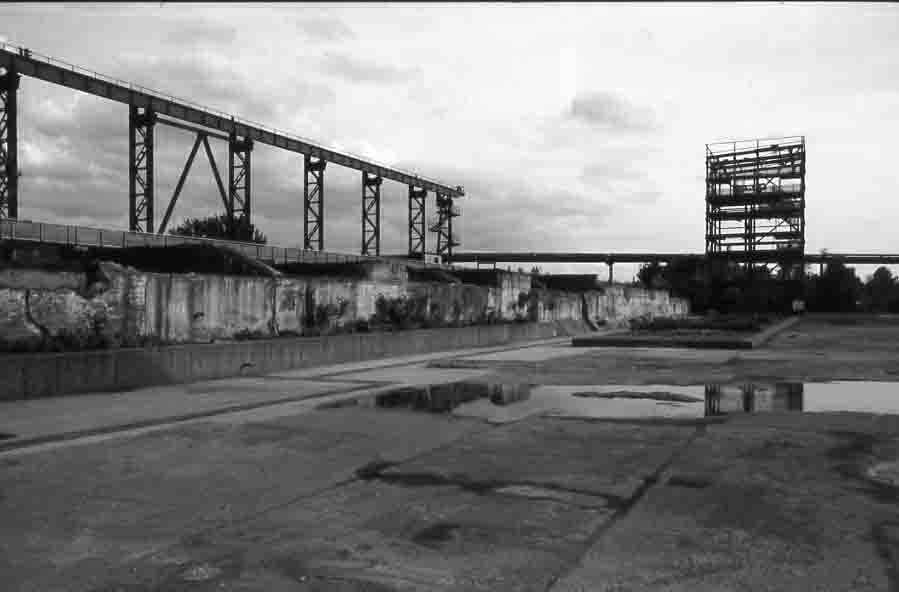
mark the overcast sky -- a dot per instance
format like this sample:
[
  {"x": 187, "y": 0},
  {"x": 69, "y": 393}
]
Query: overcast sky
[{"x": 572, "y": 127}]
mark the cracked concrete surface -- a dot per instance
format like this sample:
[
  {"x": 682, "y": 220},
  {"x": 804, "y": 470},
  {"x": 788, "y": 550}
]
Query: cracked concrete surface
[{"x": 289, "y": 497}]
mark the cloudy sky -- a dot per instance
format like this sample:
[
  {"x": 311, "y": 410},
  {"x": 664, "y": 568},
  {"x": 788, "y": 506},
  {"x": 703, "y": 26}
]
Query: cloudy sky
[{"x": 571, "y": 126}]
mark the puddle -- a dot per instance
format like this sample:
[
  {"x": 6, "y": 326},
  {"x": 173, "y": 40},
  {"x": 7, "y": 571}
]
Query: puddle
[{"x": 501, "y": 402}]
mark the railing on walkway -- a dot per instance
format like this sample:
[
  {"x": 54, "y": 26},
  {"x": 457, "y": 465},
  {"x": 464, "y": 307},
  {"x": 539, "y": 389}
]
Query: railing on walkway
[{"x": 83, "y": 236}]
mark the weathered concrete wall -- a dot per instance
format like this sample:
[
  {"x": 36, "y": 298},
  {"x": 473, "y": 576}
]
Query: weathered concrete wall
[
  {"x": 618, "y": 304},
  {"x": 123, "y": 306}
]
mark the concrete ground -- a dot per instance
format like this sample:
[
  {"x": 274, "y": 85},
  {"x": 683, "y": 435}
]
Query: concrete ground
[{"x": 250, "y": 484}]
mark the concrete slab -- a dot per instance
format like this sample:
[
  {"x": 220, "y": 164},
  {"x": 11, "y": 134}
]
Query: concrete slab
[
  {"x": 758, "y": 505},
  {"x": 61, "y": 417},
  {"x": 73, "y": 515}
]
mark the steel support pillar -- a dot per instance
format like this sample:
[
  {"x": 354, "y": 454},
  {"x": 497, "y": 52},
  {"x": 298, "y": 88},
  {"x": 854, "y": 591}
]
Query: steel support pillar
[
  {"x": 443, "y": 226},
  {"x": 239, "y": 220},
  {"x": 9, "y": 162},
  {"x": 417, "y": 228},
  {"x": 141, "y": 124},
  {"x": 371, "y": 214},
  {"x": 611, "y": 274},
  {"x": 313, "y": 204}
]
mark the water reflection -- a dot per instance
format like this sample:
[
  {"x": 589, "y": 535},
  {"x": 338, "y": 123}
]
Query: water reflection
[
  {"x": 752, "y": 398},
  {"x": 444, "y": 398},
  {"x": 503, "y": 402}
]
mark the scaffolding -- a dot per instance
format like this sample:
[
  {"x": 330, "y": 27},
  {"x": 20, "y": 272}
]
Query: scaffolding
[{"x": 755, "y": 205}]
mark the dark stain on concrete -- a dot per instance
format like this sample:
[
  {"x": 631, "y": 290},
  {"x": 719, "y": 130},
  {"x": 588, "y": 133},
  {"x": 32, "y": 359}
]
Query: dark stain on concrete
[
  {"x": 857, "y": 444},
  {"x": 690, "y": 481},
  {"x": 851, "y": 460},
  {"x": 435, "y": 534},
  {"x": 372, "y": 472},
  {"x": 373, "y": 469}
]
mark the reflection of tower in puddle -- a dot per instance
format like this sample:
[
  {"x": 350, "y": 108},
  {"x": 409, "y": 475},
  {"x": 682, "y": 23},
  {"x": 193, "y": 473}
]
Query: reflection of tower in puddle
[
  {"x": 752, "y": 398},
  {"x": 437, "y": 398}
]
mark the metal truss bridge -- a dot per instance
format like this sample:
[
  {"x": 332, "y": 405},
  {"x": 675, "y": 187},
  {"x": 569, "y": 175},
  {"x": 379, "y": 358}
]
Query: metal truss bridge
[
  {"x": 610, "y": 259},
  {"x": 147, "y": 108}
]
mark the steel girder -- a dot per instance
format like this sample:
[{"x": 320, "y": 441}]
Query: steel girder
[
  {"x": 141, "y": 125},
  {"x": 43, "y": 68},
  {"x": 371, "y": 214},
  {"x": 202, "y": 137},
  {"x": 417, "y": 227},
  {"x": 313, "y": 203},
  {"x": 9, "y": 164},
  {"x": 238, "y": 207}
]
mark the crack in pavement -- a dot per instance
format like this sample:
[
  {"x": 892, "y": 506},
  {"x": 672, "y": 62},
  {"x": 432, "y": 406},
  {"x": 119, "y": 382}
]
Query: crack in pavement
[{"x": 625, "y": 508}]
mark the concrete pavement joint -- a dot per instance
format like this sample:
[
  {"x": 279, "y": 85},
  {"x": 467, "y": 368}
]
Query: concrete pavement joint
[{"x": 621, "y": 512}]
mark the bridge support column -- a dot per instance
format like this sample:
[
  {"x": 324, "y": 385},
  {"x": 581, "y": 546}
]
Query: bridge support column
[
  {"x": 611, "y": 274},
  {"x": 417, "y": 229},
  {"x": 141, "y": 125},
  {"x": 371, "y": 214},
  {"x": 443, "y": 226},
  {"x": 313, "y": 203},
  {"x": 239, "y": 220},
  {"x": 9, "y": 162}
]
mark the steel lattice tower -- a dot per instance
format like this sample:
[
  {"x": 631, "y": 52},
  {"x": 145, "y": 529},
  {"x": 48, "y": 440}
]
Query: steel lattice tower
[{"x": 755, "y": 204}]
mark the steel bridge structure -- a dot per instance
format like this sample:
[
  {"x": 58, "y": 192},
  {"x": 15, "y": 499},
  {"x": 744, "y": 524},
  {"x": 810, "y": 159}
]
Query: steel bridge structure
[
  {"x": 148, "y": 108},
  {"x": 610, "y": 259}
]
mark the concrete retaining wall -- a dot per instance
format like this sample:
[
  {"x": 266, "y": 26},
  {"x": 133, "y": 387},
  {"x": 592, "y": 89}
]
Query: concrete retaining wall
[
  {"x": 124, "y": 306},
  {"x": 44, "y": 375}
]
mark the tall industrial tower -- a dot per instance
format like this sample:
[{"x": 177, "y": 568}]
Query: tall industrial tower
[{"x": 755, "y": 204}]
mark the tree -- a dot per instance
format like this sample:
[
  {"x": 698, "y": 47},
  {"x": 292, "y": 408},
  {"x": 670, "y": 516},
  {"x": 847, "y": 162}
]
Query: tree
[
  {"x": 881, "y": 292},
  {"x": 217, "y": 226},
  {"x": 652, "y": 276},
  {"x": 838, "y": 289}
]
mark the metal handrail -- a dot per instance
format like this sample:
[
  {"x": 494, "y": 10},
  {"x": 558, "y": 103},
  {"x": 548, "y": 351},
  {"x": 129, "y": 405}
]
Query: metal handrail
[{"x": 88, "y": 236}]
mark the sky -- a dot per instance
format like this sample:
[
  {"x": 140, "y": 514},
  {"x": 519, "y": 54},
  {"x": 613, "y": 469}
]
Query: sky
[{"x": 572, "y": 127}]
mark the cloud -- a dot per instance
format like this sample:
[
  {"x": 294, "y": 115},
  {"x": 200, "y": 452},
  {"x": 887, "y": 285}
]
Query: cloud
[
  {"x": 359, "y": 70},
  {"x": 325, "y": 28},
  {"x": 202, "y": 33},
  {"x": 611, "y": 111},
  {"x": 601, "y": 172}
]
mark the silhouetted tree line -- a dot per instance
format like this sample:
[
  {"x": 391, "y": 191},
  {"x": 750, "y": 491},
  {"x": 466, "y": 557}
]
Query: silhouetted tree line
[
  {"x": 728, "y": 289},
  {"x": 220, "y": 227}
]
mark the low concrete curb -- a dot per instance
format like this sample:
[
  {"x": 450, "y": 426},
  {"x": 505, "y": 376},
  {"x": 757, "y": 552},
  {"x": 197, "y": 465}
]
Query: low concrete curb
[
  {"x": 29, "y": 376},
  {"x": 625, "y": 339},
  {"x": 368, "y": 388}
]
